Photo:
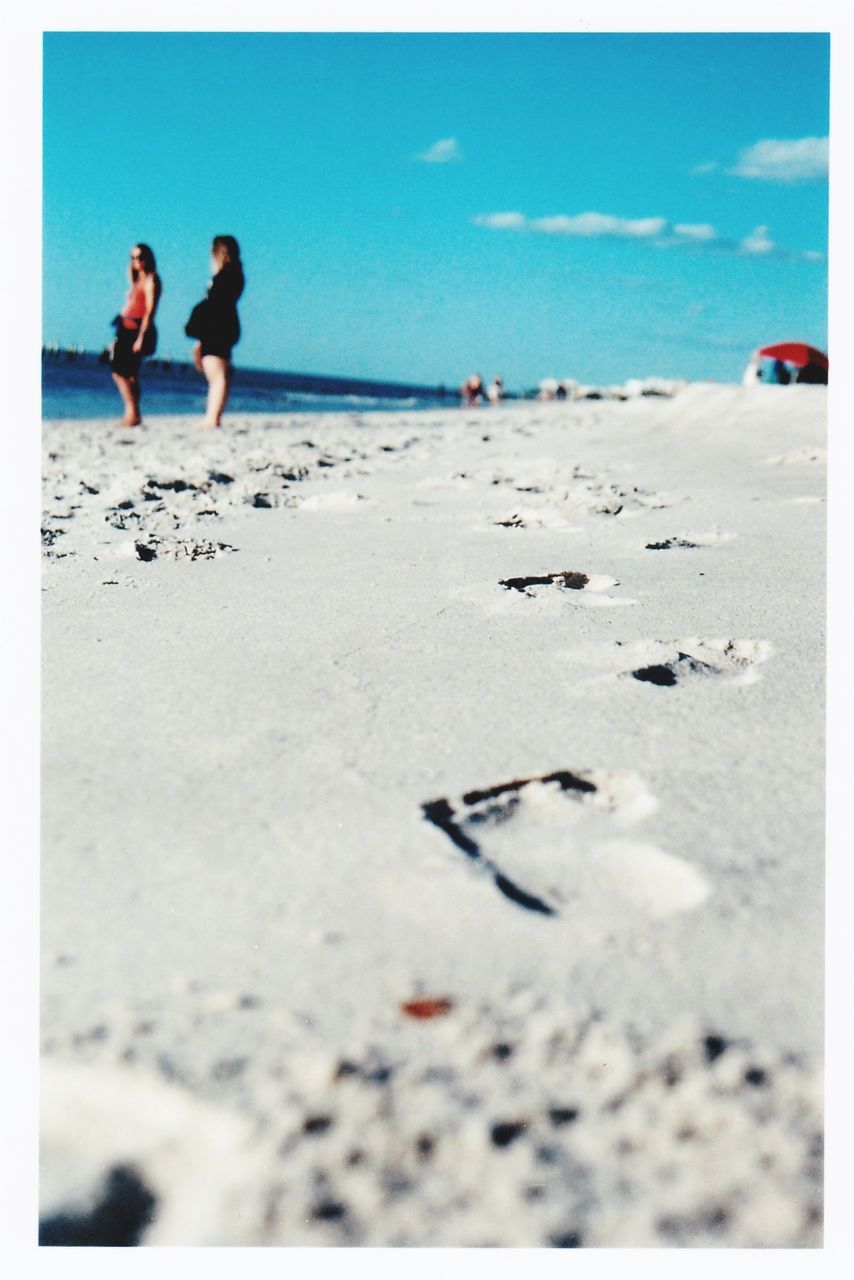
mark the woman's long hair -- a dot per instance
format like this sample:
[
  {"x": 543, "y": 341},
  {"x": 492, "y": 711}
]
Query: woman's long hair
[
  {"x": 148, "y": 264},
  {"x": 226, "y": 252}
]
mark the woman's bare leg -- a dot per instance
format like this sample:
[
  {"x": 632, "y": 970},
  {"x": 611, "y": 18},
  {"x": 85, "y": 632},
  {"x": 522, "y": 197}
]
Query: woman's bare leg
[
  {"x": 129, "y": 392},
  {"x": 218, "y": 373}
]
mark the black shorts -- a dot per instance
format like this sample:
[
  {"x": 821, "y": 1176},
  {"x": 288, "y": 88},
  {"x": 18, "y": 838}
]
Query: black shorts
[
  {"x": 220, "y": 333},
  {"x": 214, "y": 347},
  {"x": 125, "y": 361}
]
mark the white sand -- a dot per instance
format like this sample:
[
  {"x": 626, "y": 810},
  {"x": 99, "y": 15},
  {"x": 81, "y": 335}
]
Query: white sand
[{"x": 310, "y": 758}]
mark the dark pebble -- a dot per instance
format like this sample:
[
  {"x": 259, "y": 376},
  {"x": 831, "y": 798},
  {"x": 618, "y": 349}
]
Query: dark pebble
[
  {"x": 563, "y": 1115},
  {"x": 328, "y": 1211},
  {"x": 714, "y": 1047},
  {"x": 316, "y": 1124},
  {"x": 424, "y": 1145},
  {"x": 346, "y": 1068},
  {"x": 502, "y": 1051},
  {"x": 506, "y": 1132},
  {"x": 570, "y": 1240}
]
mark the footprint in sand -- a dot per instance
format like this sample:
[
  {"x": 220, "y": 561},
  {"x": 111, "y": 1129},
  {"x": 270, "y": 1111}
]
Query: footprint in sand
[
  {"x": 670, "y": 663},
  {"x": 587, "y": 588},
  {"x": 574, "y": 489},
  {"x": 339, "y": 500},
  {"x": 50, "y": 551},
  {"x": 570, "y": 579},
  {"x": 551, "y": 845},
  {"x": 537, "y": 518},
  {"x": 180, "y": 549},
  {"x": 690, "y": 541},
  {"x": 808, "y": 453},
  {"x": 620, "y": 500}
]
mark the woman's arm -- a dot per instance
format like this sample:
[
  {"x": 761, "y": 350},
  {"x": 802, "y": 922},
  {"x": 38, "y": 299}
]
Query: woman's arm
[
  {"x": 150, "y": 290},
  {"x": 226, "y": 287},
  {"x": 218, "y": 292}
]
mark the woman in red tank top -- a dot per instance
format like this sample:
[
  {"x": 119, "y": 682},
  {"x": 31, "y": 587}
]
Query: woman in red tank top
[{"x": 136, "y": 335}]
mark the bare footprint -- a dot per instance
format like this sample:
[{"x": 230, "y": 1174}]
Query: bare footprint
[
  {"x": 545, "y": 517},
  {"x": 570, "y": 579},
  {"x": 588, "y": 588},
  {"x": 808, "y": 453},
  {"x": 670, "y": 663},
  {"x": 156, "y": 548},
  {"x": 570, "y": 486},
  {"x": 625, "y": 500},
  {"x": 340, "y": 500},
  {"x": 550, "y": 845},
  {"x": 690, "y": 541}
]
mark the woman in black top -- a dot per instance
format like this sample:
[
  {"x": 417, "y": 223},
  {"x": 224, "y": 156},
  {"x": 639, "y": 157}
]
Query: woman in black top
[{"x": 214, "y": 322}]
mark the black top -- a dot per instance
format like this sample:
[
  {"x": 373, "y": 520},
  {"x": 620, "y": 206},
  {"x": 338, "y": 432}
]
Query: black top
[
  {"x": 221, "y": 322},
  {"x": 214, "y": 320}
]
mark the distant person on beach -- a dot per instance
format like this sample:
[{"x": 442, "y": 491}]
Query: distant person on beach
[
  {"x": 136, "y": 335},
  {"x": 472, "y": 390},
  {"x": 780, "y": 374},
  {"x": 215, "y": 323},
  {"x": 812, "y": 373},
  {"x": 495, "y": 390}
]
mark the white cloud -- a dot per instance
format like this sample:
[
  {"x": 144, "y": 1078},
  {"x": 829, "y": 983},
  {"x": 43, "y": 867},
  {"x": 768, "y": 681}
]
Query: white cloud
[
  {"x": 441, "y": 152},
  {"x": 699, "y": 236},
  {"x": 709, "y": 167},
  {"x": 641, "y": 227},
  {"x": 695, "y": 231},
  {"x": 775, "y": 160},
  {"x": 501, "y": 221},
  {"x": 597, "y": 224},
  {"x": 757, "y": 242}
]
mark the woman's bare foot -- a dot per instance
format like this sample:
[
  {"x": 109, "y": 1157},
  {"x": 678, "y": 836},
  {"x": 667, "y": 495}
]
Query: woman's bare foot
[
  {"x": 129, "y": 392},
  {"x": 206, "y": 425}
]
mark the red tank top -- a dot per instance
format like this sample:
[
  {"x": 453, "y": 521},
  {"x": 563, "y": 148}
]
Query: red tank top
[{"x": 135, "y": 303}]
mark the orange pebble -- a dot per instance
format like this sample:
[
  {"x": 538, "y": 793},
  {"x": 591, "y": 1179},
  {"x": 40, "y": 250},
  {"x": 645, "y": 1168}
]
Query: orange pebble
[{"x": 427, "y": 1007}]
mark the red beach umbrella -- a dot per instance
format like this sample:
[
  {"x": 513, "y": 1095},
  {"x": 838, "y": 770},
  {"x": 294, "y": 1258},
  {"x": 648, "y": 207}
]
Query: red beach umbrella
[{"x": 797, "y": 353}]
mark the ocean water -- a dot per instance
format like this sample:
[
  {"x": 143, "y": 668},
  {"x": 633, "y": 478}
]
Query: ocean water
[{"x": 81, "y": 386}]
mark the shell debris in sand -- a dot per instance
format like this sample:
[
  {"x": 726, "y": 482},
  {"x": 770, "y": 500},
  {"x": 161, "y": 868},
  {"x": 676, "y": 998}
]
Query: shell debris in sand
[{"x": 432, "y": 1133}]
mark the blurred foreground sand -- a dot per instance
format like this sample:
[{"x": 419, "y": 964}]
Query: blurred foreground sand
[{"x": 518, "y": 707}]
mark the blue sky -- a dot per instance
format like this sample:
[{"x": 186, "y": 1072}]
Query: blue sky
[{"x": 417, "y": 206}]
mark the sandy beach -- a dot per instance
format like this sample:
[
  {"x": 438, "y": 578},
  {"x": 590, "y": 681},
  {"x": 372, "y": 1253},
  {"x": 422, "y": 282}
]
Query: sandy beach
[{"x": 433, "y": 825}]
